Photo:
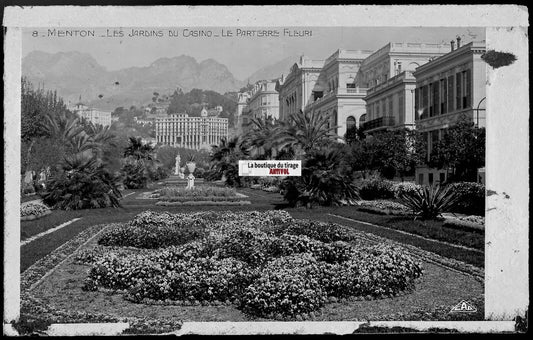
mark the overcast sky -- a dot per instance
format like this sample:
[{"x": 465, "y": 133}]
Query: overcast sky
[{"x": 242, "y": 55}]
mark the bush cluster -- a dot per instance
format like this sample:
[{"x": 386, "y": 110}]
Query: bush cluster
[
  {"x": 404, "y": 187},
  {"x": 153, "y": 232},
  {"x": 33, "y": 208},
  {"x": 376, "y": 188},
  {"x": 134, "y": 176},
  {"x": 472, "y": 198},
  {"x": 384, "y": 207},
  {"x": 246, "y": 259},
  {"x": 84, "y": 183},
  {"x": 198, "y": 191}
]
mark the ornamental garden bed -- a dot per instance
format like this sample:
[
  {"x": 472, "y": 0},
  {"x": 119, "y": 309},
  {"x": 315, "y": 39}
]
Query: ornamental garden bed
[
  {"x": 227, "y": 266},
  {"x": 33, "y": 210},
  {"x": 200, "y": 195}
]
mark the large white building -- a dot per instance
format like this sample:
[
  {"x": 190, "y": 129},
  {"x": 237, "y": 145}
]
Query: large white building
[
  {"x": 447, "y": 88},
  {"x": 338, "y": 91},
  {"x": 191, "y": 132},
  {"x": 91, "y": 114},
  {"x": 261, "y": 101},
  {"x": 388, "y": 74}
]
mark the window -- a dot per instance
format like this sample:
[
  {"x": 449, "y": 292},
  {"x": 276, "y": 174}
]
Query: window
[
  {"x": 384, "y": 107},
  {"x": 458, "y": 91},
  {"x": 390, "y": 105},
  {"x": 421, "y": 179},
  {"x": 350, "y": 86},
  {"x": 318, "y": 94},
  {"x": 417, "y": 98},
  {"x": 430, "y": 178},
  {"x": 350, "y": 122},
  {"x": 442, "y": 177},
  {"x": 467, "y": 83},
  {"x": 401, "y": 108},
  {"x": 425, "y": 102},
  {"x": 443, "y": 96},
  {"x": 450, "y": 94}
]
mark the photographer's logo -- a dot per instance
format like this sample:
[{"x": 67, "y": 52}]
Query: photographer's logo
[{"x": 464, "y": 307}]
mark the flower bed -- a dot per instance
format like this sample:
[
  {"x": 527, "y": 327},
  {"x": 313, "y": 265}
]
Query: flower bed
[
  {"x": 201, "y": 195},
  {"x": 198, "y": 191},
  {"x": 472, "y": 222},
  {"x": 33, "y": 210},
  {"x": 266, "y": 264},
  {"x": 384, "y": 207}
]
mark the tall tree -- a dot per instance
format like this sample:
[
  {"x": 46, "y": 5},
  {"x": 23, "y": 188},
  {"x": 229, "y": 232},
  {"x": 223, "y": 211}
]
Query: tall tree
[
  {"x": 461, "y": 151},
  {"x": 306, "y": 131}
]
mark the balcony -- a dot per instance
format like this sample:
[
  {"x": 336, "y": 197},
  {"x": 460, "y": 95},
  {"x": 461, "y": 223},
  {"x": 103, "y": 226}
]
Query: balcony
[
  {"x": 380, "y": 122},
  {"x": 355, "y": 92}
]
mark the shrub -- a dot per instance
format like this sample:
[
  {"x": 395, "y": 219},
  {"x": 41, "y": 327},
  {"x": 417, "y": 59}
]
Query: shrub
[
  {"x": 404, "y": 187},
  {"x": 321, "y": 231},
  {"x": 376, "y": 188},
  {"x": 376, "y": 271},
  {"x": 430, "y": 202},
  {"x": 472, "y": 198},
  {"x": 199, "y": 172},
  {"x": 287, "y": 286},
  {"x": 384, "y": 207},
  {"x": 83, "y": 184},
  {"x": 321, "y": 182},
  {"x": 154, "y": 234},
  {"x": 202, "y": 279},
  {"x": 199, "y": 191},
  {"x": 33, "y": 208},
  {"x": 134, "y": 176},
  {"x": 158, "y": 173}
]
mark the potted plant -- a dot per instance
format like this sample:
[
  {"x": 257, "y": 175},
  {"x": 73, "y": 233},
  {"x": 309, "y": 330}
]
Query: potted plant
[{"x": 191, "y": 165}]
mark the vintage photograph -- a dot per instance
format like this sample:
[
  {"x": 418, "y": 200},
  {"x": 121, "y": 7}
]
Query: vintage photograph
[{"x": 367, "y": 203}]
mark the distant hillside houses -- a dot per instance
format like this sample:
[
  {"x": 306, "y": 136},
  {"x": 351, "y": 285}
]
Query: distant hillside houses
[{"x": 93, "y": 115}]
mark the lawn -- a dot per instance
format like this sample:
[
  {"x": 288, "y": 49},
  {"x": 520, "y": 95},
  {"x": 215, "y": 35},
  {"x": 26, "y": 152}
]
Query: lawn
[
  {"x": 476, "y": 258},
  {"x": 427, "y": 228}
]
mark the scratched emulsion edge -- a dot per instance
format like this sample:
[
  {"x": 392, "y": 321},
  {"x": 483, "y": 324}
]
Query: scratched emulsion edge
[
  {"x": 461, "y": 16},
  {"x": 12, "y": 70},
  {"x": 507, "y": 179}
]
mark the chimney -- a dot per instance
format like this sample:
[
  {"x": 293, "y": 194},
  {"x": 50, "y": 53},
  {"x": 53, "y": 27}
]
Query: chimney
[
  {"x": 458, "y": 42},
  {"x": 453, "y": 44}
]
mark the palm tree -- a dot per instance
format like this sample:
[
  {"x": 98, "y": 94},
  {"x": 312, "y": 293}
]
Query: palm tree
[
  {"x": 62, "y": 127},
  {"x": 139, "y": 151},
  {"x": 305, "y": 131},
  {"x": 225, "y": 158},
  {"x": 262, "y": 137}
]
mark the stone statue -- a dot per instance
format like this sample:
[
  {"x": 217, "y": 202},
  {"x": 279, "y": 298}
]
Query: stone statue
[
  {"x": 28, "y": 177},
  {"x": 177, "y": 171},
  {"x": 190, "y": 181}
]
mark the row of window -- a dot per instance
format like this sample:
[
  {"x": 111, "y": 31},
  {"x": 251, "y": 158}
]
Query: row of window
[
  {"x": 445, "y": 95},
  {"x": 385, "y": 107}
]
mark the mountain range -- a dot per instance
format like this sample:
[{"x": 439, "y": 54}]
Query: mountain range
[{"x": 76, "y": 74}]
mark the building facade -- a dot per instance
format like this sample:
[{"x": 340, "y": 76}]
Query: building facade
[
  {"x": 91, "y": 114},
  {"x": 191, "y": 132},
  {"x": 296, "y": 90},
  {"x": 448, "y": 88},
  {"x": 264, "y": 100},
  {"x": 338, "y": 92},
  {"x": 388, "y": 74},
  {"x": 261, "y": 102}
]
